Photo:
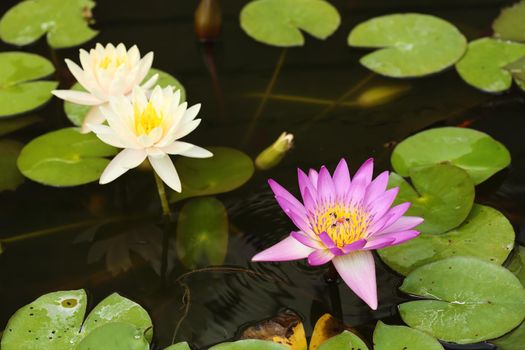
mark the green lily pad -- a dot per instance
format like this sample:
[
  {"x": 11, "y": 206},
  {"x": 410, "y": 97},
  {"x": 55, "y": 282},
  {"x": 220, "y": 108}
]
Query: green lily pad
[
  {"x": 279, "y": 22},
  {"x": 116, "y": 308},
  {"x": 66, "y": 23},
  {"x": 344, "y": 341},
  {"x": 114, "y": 336},
  {"x": 10, "y": 176},
  {"x": 227, "y": 170},
  {"x": 443, "y": 195},
  {"x": 65, "y": 157},
  {"x": 400, "y": 337},
  {"x": 510, "y": 24},
  {"x": 54, "y": 321},
  {"x": 202, "y": 232},
  {"x": 476, "y": 152},
  {"x": 512, "y": 341},
  {"x": 49, "y": 323},
  {"x": 483, "y": 66},
  {"x": 486, "y": 234},
  {"x": 411, "y": 45},
  {"x": 179, "y": 346},
  {"x": 517, "y": 69},
  {"x": 9, "y": 125},
  {"x": 471, "y": 300},
  {"x": 249, "y": 344},
  {"x": 517, "y": 264},
  {"x": 18, "y": 91},
  {"x": 77, "y": 113}
]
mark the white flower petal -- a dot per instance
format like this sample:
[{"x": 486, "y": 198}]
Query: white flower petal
[
  {"x": 145, "y": 66},
  {"x": 164, "y": 167},
  {"x": 78, "y": 97},
  {"x": 187, "y": 150},
  {"x": 94, "y": 116},
  {"x": 125, "y": 160},
  {"x": 191, "y": 113},
  {"x": 150, "y": 82}
]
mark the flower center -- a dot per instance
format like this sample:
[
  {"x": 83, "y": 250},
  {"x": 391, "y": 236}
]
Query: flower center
[
  {"x": 147, "y": 119},
  {"x": 112, "y": 61},
  {"x": 343, "y": 224}
]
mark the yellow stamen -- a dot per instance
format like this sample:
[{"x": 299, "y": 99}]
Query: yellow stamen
[
  {"x": 147, "y": 119},
  {"x": 343, "y": 224},
  {"x": 115, "y": 61}
]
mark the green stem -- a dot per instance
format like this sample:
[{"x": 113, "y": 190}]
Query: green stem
[
  {"x": 168, "y": 219},
  {"x": 163, "y": 198}
]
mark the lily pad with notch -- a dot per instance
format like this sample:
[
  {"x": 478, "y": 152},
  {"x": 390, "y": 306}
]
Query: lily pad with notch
[
  {"x": 474, "y": 151},
  {"x": 510, "y": 24},
  {"x": 54, "y": 321},
  {"x": 226, "y": 171},
  {"x": 410, "y": 45},
  {"x": 279, "y": 22},
  {"x": 469, "y": 300},
  {"x": 66, "y": 23},
  {"x": 19, "y": 90},
  {"x": 483, "y": 66},
  {"x": 443, "y": 195},
  {"x": 77, "y": 113},
  {"x": 344, "y": 341},
  {"x": 65, "y": 157},
  {"x": 400, "y": 337},
  {"x": 485, "y": 234},
  {"x": 114, "y": 336}
]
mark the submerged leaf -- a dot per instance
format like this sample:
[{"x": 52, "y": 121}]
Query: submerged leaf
[
  {"x": 227, "y": 170},
  {"x": 476, "y": 152},
  {"x": 114, "y": 336},
  {"x": 279, "y": 22},
  {"x": 249, "y": 344},
  {"x": 64, "y": 22},
  {"x": 18, "y": 91},
  {"x": 65, "y": 157},
  {"x": 10, "y": 176},
  {"x": 202, "y": 232},
  {"x": 471, "y": 300},
  {"x": 77, "y": 113},
  {"x": 400, "y": 337},
  {"x": 443, "y": 195},
  {"x": 483, "y": 66},
  {"x": 517, "y": 264},
  {"x": 344, "y": 341},
  {"x": 510, "y": 24},
  {"x": 486, "y": 234},
  {"x": 411, "y": 45},
  {"x": 9, "y": 125}
]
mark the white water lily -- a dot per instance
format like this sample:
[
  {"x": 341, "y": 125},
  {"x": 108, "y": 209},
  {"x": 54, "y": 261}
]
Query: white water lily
[
  {"x": 148, "y": 128},
  {"x": 106, "y": 72}
]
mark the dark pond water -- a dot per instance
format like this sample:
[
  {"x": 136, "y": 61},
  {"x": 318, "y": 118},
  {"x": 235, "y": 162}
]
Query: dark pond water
[{"x": 225, "y": 77}]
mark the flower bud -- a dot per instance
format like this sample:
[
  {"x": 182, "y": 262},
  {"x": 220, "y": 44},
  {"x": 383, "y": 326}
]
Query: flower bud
[
  {"x": 271, "y": 156},
  {"x": 208, "y": 20}
]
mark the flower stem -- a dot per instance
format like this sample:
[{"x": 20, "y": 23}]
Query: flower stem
[
  {"x": 168, "y": 219},
  {"x": 332, "y": 279}
]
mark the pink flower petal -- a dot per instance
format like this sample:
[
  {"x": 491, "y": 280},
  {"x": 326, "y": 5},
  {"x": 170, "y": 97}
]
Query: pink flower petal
[
  {"x": 327, "y": 241},
  {"x": 399, "y": 237},
  {"x": 357, "y": 269},
  {"x": 357, "y": 245},
  {"x": 360, "y": 182},
  {"x": 297, "y": 215},
  {"x": 280, "y": 191},
  {"x": 320, "y": 257},
  {"x": 383, "y": 203},
  {"x": 325, "y": 187},
  {"x": 314, "y": 177},
  {"x": 379, "y": 242},
  {"x": 305, "y": 184},
  {"x": 341, "y": 179},
  {"x": 309, "y": 201},
  {"x": 391, "y": 216},
  {"x": 307, "y": 240},
  {"x": 402, "y": 224},
  {"x": 376, "y": 187},
  {"x": 286, "y": 250}
]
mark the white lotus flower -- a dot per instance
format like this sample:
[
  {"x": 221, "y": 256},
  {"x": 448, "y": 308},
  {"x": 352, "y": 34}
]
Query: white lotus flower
[
  {"x": 106, "y": 72},
  {"x": 148, "y": 128}
]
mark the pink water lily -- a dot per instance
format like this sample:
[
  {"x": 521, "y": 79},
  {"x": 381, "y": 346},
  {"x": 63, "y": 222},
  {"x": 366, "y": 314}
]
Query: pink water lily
[{"x": 342, "y": 220}]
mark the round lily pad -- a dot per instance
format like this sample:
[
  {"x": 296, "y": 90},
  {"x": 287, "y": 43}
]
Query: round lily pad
[
  {"x": 18, "y": 91},
  {"x": 49, "y": 322},
  {"x": 249, "y": 344},
  {"x": 476, "y": 152},
  {"x": 10, "y": 176},
  {"x": 202, "y": 232},
  {"x": 510, "y": 24},
  {"x": 279, "y": 22},
  {"x": 65, "y": 157},
  {"x": 486, "y": 234},
  {"x": 179, "y": 346},
  {"x": 77, "y": 113},
  {"x": 470, "y": 300},
  {"x": 227, "y": 170},
  {"x": 411, "y": 45},
  {"x": 344, "y": 341},
  {"x": 114, "y": 336},
  {"x": 66, "y": 23},
  {"x": 483, "y": 66},
  {"x": 443, "y": 195},
  {"x": 400, "y": 337}
]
